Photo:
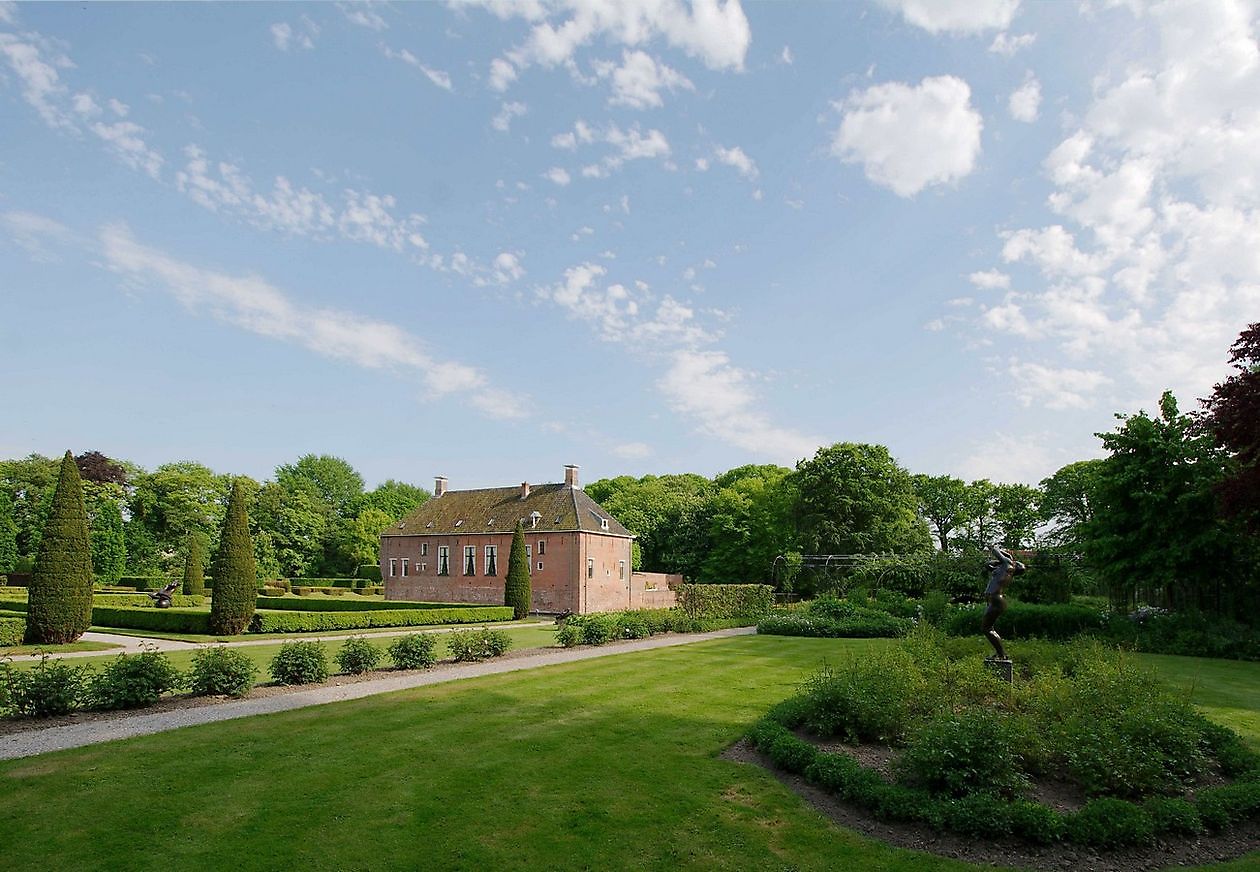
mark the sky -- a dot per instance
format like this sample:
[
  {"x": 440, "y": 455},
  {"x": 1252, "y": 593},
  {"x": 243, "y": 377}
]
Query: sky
[{"x": 487, "y": 239}]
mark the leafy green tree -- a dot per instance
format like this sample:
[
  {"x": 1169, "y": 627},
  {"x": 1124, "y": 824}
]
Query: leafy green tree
[
  {"x": 516, "y": 589},
  {"x": 142, "y": 549},
  {"x": 109, "y": 545},
  {"x": 750, "y": 524},
  {"x": 331, "y": 480},
  {"x": 235, "y": 590},
  {"x": 980, "y": 526},
  {"x": 854, "y": 498},
  {"x": 8, "y": 535},
  {"x": 1015, "y": 507},
  {"x": 1155, "y": 522},
  {"x": 942, "y": 503},
  {"x": 175, "y": 499},
  {"x": 394, "y": 498},
  {"x": 297, "y": 524},
  {"x": 60, "y": 601},
  {"x": 1232, "y": 415},
  {"x": 29, "y": 483},
  {"x": 194, "y": 566},
  {"x": 363, "y": 536},
  {"x": 1067, "y": 501},
  {"x": 669, "y": 514}
]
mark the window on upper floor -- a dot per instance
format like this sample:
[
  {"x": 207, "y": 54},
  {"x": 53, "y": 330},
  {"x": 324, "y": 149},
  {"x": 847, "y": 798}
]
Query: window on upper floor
[
  {"x": 424, "y": 549},
  {"x": 542, "y": 547}
]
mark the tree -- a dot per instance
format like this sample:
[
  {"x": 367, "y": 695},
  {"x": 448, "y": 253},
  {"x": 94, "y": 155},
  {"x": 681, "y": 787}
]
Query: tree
[
  {"x": 333, "y": 481},
  {"x": 59, "y": 608},
  {"x": 194, "y": 566},
  {"x": 1016, "y": 512},
  {"x": 29, "y": 483},
  {"x": 516, "y": 590},
  {"x": 297, "y": 523},
  {"x": 669, "y": 514},
  {"x": 854, "y": 499},
  {"x": 395, "y": 498},
  {"x": 173, "y": 500},
  {"x": 363, "y": 536},
  {"x": 1232, "y": 415},
  {"x": 109, "y": 545},
  {"x": 96, "y": 467},
  {"x": 1067, "y": 501},
  {"x": 942, "y": 503},
  {"x": 980, "y": 523},
  {"x": 235, "y": 590},
  {"x": 8, "y": 535},
  {"x": 750, "y": 524}
]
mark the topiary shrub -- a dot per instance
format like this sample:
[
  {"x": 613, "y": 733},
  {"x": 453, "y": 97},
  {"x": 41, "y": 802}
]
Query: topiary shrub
[
  {"x": 235, "y": 573},
  {"x": 221, "y": 671},
  {"x": 133, "y": 681},
  {"x": 414, "y": 651},
  {"x": 195, "y": 566},
  {"x": 370, "y": 572},
  {"x": 516, "y": 590},
  {"x": 357, "y": 655},
  {"x": 60, "y": 603},
  {"x": 1110, "y": 823},
  {"x": 300, "y": 663},
  {"x": 53, "y": 687}
]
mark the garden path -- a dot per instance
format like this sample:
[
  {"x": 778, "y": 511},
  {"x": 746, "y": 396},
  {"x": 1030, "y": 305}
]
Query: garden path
[{"x": 42, "y": 740}]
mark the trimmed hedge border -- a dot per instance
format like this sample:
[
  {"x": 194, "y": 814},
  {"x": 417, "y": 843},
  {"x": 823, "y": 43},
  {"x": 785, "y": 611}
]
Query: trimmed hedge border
[
  {"x": 161, "y": 620},
  {"x": 310, "y": 622},
  {"x": 723, "y": 601},
  {"x": 867, "y": 624},
  {"x": 347, "y": 605},
  {"x": 1105, "y": 822},
  {"x": 12, "y": 631},
  {"x": 1026, "y": 620},
  {"x": 117, "y": 600},
  {"x": 603, "y": 627}
]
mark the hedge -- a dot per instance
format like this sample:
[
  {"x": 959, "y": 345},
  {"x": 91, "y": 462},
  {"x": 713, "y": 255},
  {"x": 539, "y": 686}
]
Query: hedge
[
  {"x": 310, "y": 622},
  {"x": 162, "y": 620},
  {"x": 12, "y": 631},
  {"x": 117, "y": 600},
  {"x": 603, "y": 627},
  {"x": 867, "y": 624},
  {"x": 370, "y": 571},
  {"x": 1024, "y": 620},
  {"x": 347, "y": 605},
  {"x": 303, "y": 590},
  {"x": 145, "y": 582},
  {"x": 725, "y": 600}
]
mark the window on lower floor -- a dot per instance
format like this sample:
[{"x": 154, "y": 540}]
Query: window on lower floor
[
  {"x": 540, "y": 566},
  {"x": 393, "y": 567},
  {"x": 470, "y": 560},
  {"x": 492, "y": 560},
  {"x": 444, "y": 560},
  {"x": 404, "y": 567},
  {"x": 621, "y": 569},
  {"x": 590, "y": 567}
]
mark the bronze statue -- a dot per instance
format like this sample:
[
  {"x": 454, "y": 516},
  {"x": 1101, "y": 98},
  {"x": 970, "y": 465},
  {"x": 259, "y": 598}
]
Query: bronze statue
[
  {"x": 1001, "y": 571},
  {"x": 162, "y": 598}
]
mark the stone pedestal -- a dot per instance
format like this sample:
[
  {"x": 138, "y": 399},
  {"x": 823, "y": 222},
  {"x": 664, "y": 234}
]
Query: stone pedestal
[{"x": 1003, "y": 669}]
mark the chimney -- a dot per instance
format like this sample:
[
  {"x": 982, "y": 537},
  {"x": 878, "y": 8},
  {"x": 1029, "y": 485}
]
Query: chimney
[
  {"x": 570, "y": 475},
  {"x": 524, "y": 489},
  {"x": 439, "y": 485}
]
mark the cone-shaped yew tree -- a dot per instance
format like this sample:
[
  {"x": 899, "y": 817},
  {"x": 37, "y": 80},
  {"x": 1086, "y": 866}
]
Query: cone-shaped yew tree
[
  {"x": 194, "y": 566},
  {"x": 516, "y": 592},
  {"x": 235, "y": 590},
  {"x": 59, "y": 609}
]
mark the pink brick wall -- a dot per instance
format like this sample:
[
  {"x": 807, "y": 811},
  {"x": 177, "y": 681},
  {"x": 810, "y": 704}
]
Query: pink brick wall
[{"x": 653, "y": 590}]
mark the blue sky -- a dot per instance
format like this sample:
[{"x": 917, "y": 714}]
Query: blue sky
[{"x": 488, "y": 239}]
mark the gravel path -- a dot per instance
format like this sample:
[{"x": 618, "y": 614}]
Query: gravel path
[{"x": 42, "y": 740}]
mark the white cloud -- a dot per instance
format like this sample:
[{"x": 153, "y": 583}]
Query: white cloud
[
  {"x": 1016, "y": 458},
  {"x": 438, "y": 77},
  {"x": 286, "y": 36},
  {"x": 1025, "y": 102},
  {"x": 558, "y": 175},
  {"x": 253, "y": 304},
  {"x": 8, "y": 12},
  {"x": 632, "y": 450},
  {"x": 41, "y": 84},
  {"x": 990, "y": 279},
  {"x": 627, "y": 145},
  {"x": 125, "y": 140},
  {"x": 502, "y": 74},
  {"x": 360, "y": 12},
  {"x": 908, "y": 137},
  {"x": 956, "y": 16},
  {"x": 507, "y": 267},
  {"x": 639, "y": 80},
  {"x": 1006, "y": 45},
  {"x": 1055, "y": 388},
  {"x": 706, "y": 387},
  {"x": 735, "y": 157},
  {"x": 785, "y": 56},
  {"x": 503, "y": 120},
  {"x": 32, "y": 233}
]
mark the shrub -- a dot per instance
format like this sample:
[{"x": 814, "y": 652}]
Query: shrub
[
  {"x": 864, "y": 624},
  {"x": 349, "y": 604},
  {"x": 235, "y": 574},
  {"x": 306, "y": 622},
  {"x": 300, "y": 663},
  {"x": 516, "y": 590},
  {"x": 1172, "y": 815},
  {"x": 1110, "y": 823},
  {"x": 935, "y": 607},
  {"x": 370, "y": 572},
  {"x": 357, "y": 655},
  {"x": 60, "y": 601},
  {"x": 133, "y": 681},
  {"x": 864, "y": 699},
  {"x": 469, "y": 645},
  {"x": 221, "y": 671},
  {"x": 633, "y": 626},
  {"x": 1024, "y": 620},
  {"x": 195, "y": 566},
  {"x": 1036, "y": 823},
  {"x": 725, "y": 600},
  {"x": 830, "y": 608},
  {"x": 569, "y": 634},
  {"x": 413, "y": 651},
  {"x": 966, "y": 752},
  {"x": 53, "y": 687},
  {"x": 790, "y": 753},
  {"x": 1221, "y": 806},
  {"x": 897, "y": 803},
  {"x": 162, "y": 620},
  {"x": 12, "y": 631},
  {"x": 980, "y": 815},
  {"x": 599, "y": 629}
]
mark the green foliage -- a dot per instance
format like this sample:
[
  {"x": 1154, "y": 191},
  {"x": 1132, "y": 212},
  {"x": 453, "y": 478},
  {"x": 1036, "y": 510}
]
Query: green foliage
[
  {"x": 300, "y": 663},
  {"x": 12, "y": 631},
  {"x": 1189, "y": 633},
  {"x": 53, "y": 687},
  {"x": 357, "y": 655},
  {"x": 935, "y": 607},
  {"x": 348, "y": 604},
  {"x": 725, "y": 600},
  {"x": 469, "y": 645},
  {"x": 516, "y": 591},
  {"x": 1110, "y": 823},
  {"x": 194, "y": 566},
  {"x": 133, "y": 681},
  {"x": 569, "y": 634},
  {"x": 308, "y": 622},
  {"x": 171, "y": 620},
  {"x": 369, "y": 572},
  {"x": 669, "y": 514},
  {"x": 166, "y": 505},
  {"x": 1067, "y": 502},
  {"x": 61, "y": 584},
  {"x": 395, "y": 499},
  {"x": 854, "y": 499},
  {"x": 414, "y": 651},
  {"x": 8, "y": 535},
  {"x": 108, "y": 544},
  {"x": 1025, "y": 620},
  {"x": 299, "y": 526},
  {"x": 235, "y": 576},
  {"x": 861, "y": 700},
  {"x": 862, "y": 624},
  {"x": 221, "y": 671},
  {"x": 750, "y": 524},
  {"x": 1219, "y": 807},
  {"x": 1173, "y": 815},
  {"x": 330, "y": 480},
  {"x": 968, "y": 752},
  {"x": 361, "y": 538},
  {"x": 942, "y": 501},
  {"x": 1036, "y": 823}
]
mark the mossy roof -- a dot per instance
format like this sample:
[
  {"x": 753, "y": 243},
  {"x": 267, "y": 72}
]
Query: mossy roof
[{"x": 497, "y": 509}]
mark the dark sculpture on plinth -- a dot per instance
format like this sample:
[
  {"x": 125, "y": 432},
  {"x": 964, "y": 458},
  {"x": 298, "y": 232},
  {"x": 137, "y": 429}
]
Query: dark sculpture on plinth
[
  {"x": 162, "y": 598},
  {"x": 1001, "y": 571}
]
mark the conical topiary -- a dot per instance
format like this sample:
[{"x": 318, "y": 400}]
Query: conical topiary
[
  {"x": 194, "y": 566},
  {"x": 235, "y": 590},
  {"x": 516, "y": 592},
  {"x": 59, "y": 607}
]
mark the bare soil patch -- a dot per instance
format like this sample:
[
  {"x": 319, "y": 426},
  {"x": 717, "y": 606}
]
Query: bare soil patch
[{"x": 1210, "y": 848}]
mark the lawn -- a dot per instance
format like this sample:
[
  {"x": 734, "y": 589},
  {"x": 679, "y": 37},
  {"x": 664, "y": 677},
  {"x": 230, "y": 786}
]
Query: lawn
[
  {"x": 59, "y": 649},
  {"x": 607, "y": 764}
]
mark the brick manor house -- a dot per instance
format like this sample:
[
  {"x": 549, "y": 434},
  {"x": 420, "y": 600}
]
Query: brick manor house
[{"x": 455, "y": 548}]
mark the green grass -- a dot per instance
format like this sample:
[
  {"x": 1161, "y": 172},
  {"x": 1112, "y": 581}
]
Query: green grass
[
  {"x": 57, "y": 649},
  {"x": 607, "y": 764}
]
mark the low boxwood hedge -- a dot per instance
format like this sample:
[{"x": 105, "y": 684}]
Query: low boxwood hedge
[
  {"x": 865, "y": 624},
  {"x": 347, "y": 605},
  {"x": 161, "y": 620},
  {"x": 724, "y": 601},
  {"x": 310, "y": 622},
  {"x": 1026, "y": 620},
  {"x": 12, "y": 631}
]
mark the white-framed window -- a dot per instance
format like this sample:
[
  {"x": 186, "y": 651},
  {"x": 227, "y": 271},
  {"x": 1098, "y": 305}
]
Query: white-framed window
[
  {"x": 621, "y": 569},
  {"x": 542, "y": 547},
  {"x": 529, "y": 556},
  {"x": 424, "y": 549},
  {"x": 393, "y": 567},
  {"x": 444, "y": 560},
  {"x": 590, "y": 567},
  {"x": 470, "y": 560},
  {"x": 404, "y": 567},
  {"x": 492, "y": 560},
  {"x": 603, "y": 523},
  {"x": 540, "y": 566},
  {"x": 424, "y": 567}
]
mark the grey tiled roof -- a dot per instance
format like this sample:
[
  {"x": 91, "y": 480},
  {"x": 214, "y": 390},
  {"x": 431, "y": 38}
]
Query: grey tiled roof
[{"x": 497, "y": 509}]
